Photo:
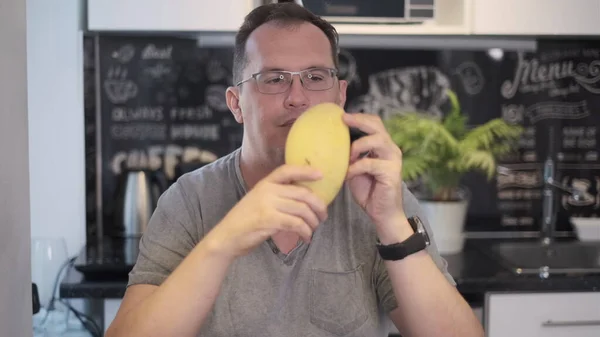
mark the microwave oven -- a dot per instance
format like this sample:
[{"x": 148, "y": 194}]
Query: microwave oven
[{"x": 372, "y": 11}]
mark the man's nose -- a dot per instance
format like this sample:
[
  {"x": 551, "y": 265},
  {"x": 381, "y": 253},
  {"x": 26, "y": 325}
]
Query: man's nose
[{"x": 296, "y": 97}]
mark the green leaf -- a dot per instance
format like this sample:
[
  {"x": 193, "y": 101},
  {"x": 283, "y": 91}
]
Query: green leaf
[
  {"x": 485, "y": 136},
  {"x": 440, "y": 151},
  {"x": 455, "y": 122},
  {"x": 414, "y": 167},
  {"x": 481, "y": 160}
]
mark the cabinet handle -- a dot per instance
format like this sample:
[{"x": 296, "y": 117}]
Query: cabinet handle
[{"x": 551, "y": 323}]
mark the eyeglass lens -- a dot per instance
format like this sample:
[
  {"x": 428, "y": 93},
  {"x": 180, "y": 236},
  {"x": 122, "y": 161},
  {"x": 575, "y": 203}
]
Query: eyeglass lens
[{"x": 273, "y": 82}]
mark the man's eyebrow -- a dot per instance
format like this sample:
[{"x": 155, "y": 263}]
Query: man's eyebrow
[
  {"x": 271, "y": 69},
  {"x": 318, "y": 66},
  {"x": 263, "y": 69}
]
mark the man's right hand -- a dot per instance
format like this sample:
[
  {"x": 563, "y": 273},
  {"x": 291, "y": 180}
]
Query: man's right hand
[{"x": 274, "y": 204}]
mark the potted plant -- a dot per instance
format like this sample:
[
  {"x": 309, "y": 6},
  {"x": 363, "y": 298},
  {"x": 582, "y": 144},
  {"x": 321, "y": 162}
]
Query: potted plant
[{"x": 438, "y": 152}]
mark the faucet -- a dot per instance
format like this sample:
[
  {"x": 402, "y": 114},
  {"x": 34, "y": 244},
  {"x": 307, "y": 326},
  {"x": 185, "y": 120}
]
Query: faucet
[{"x": 549, "y": 193}]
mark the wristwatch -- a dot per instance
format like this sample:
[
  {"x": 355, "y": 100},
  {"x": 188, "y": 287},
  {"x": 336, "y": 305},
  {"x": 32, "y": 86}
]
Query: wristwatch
[{"x": 418, "y": 241}]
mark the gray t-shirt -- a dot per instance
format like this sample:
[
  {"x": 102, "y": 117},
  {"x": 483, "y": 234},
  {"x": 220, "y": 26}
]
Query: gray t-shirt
[{"x": 335, "y": 286}]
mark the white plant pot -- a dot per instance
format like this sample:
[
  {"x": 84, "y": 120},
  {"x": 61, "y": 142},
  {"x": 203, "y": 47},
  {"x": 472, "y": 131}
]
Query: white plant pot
[{"x": 447, "y": 221}]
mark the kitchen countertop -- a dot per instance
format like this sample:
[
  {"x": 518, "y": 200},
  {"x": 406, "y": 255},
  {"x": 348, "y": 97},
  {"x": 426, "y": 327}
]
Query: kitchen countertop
[{"x": 474, "y": 271}]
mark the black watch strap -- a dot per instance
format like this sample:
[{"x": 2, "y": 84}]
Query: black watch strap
[
  {"x": 416, "y": 242},
  {"x": 398, "y": 251}
]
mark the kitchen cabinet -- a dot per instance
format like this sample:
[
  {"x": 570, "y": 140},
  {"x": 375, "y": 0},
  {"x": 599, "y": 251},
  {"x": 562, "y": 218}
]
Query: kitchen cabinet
[
  {"x": 173, "y": 15},
  {"x": 536, "y": 17},
  {"x": 452, "y": 17},
  {"x": 573, "y": 314}
]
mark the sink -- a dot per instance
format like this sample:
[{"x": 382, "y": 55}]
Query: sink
[{"x": 545, "y": 259}]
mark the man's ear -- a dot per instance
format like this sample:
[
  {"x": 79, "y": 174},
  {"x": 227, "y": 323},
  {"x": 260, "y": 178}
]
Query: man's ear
[
  {"x": 233, "y": 102},
  {"x": 342, "y": 93}
]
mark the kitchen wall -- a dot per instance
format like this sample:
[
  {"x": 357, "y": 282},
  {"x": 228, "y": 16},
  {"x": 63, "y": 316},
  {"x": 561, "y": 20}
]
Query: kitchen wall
[
  {"x": 15, "y": 292},
  {"x": 161, "y": 102},
  {"x": 56, "y": 130}
]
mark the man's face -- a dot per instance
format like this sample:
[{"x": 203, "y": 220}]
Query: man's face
[{"x": 267, "y": 118}]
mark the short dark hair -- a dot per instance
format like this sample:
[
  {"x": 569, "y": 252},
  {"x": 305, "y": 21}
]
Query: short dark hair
[{"x": 284, "y": 13}]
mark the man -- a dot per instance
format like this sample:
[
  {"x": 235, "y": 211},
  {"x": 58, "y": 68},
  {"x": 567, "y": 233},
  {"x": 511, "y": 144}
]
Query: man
[{"x": 237, "y": 249}]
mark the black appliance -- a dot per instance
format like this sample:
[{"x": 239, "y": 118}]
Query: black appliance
[
  {"x": 368, "y": 11},
  {"x": 136, "y": 199}
]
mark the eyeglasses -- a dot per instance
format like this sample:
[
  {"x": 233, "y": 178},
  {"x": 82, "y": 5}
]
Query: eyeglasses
[{"x": 278, "y": 81}]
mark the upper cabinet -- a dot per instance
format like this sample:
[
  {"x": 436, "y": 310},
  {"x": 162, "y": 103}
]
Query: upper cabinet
[
  {"x": 172, "y": 15},
  {"x": 536, "y": 17},
  {"x": 450, "y": 17}
]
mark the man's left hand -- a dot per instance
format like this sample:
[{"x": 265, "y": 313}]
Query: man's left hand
[{"x": 376, "y": 179}]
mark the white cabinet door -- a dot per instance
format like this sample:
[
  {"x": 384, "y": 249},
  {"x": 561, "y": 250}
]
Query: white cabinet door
[
  {"x": 536, "y": 17},
  {"x": 162, "y": 15},
  {"x": 542, "y": 314}
]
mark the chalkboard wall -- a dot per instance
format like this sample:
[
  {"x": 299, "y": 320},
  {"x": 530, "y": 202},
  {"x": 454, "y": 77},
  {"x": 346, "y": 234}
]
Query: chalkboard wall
[{"x": 158, "y": 101}]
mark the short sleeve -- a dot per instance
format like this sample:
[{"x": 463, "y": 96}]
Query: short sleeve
[
  {"x": 171, "y": 234},
  {"x": 382, "y": 281}
]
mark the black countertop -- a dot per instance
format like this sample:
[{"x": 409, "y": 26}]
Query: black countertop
[{"x": 474, "y": 270}]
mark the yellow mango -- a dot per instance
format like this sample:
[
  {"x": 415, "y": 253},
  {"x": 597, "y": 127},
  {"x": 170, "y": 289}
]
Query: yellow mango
[{"x": 320, "y": 138}]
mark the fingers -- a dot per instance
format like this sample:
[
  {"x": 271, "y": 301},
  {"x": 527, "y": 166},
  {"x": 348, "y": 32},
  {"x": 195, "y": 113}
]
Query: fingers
[
  {"x": 305, "y": 196},
  {"x": 294, "y": 224},
  {"x": 384, "y": 171},
  {"x": 378, "y": 145},
  {"x": 287, "y": 174},
  {"x": 293, "y": 207},
  {"x": 365, "y": 122},
  {"x": 300, "y": 210}
]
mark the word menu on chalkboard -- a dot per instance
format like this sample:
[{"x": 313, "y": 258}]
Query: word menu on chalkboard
[{"x": 161, "y": 103}]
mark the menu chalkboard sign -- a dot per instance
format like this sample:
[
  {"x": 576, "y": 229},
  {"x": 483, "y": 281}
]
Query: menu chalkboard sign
[
  {"x": 551, "y": 92},
  {"x": 555, "y": 94},
  {"x": 161, "y": 103}
]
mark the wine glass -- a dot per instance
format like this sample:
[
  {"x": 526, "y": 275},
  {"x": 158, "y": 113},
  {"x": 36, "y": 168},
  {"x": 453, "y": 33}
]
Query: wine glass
[{"x": 48, "y": 256}]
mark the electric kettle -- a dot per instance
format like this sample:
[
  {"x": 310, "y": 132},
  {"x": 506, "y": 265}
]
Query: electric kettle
[{"x": 136, "y": 198}]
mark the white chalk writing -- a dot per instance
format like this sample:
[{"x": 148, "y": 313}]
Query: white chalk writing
[
  {"x": 139, "y": 131},
  {"x": 527, "y": 179},
  {"x": 155, "y": 157},
  {"x": 579, "y": 137},
  {"x": 152, "y": 52},
  {"x": 520, "y": 195},
  {"x": 199, "y": 132},
  {"x": 558, "y": 110},
  {"x": 142, "y": 113},
  {"x": 198, "y": 113},
  {"x": 510, "y": 221},
  {"x": 118, "y": 88},
  {"x": 532, "y": 76},
  {"x": 471, "y": 77}
]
